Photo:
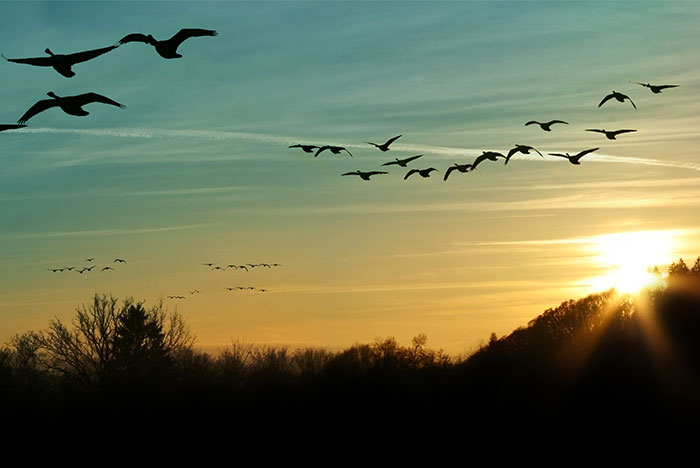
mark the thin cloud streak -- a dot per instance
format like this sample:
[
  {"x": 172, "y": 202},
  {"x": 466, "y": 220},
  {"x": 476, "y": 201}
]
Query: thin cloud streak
[{"x": 101, "y": 232}]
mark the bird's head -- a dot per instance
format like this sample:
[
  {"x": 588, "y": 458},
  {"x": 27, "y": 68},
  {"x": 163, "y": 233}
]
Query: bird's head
[
  {"x": 48, "y": 51},
  {"x": 52, "y": 94}
]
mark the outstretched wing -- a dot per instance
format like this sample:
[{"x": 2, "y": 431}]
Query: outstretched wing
[
  {"x": 40, "y": 106},
  {"x": 390, "y": 163},
  {"x": 667, "y": 86},
  {"x": 532, "y": 122},
  {"x": 87, "y": 98},
  {"x": 10, "y": 127},
  {"x": 373, "y": 144},
  {"x": 343, "y": 149},
  {"x": 37, "y": 61},
  {"x": 134, "y": 37},
  {"x": 79, "y": 57},
  {"x": 295, "y": 146},
  {"x": 407, "y": 160},
  {"x": 631, "y": 102},
  {"x": 585, "y": 152},
  {"x": 371, "y": 173},
  {"x": 618, "y": 132},
  {"x": 184, "y": 34},
  {"x": 321, "y": 149},
  {"x": 351, "y": 173},
  {"x": 595, "y": 130},
  {"x": 478, "y": 160},
  {"x": 448, "y": 172},
  {"x": 551, "y": 122},
  {"x": 391, "y": 140},
  {"x": 606, "y": 99},
  {"x": 532, "y": 148},
  {"x": 410, "y": 173},
  {"x": 559, "y": 155}
]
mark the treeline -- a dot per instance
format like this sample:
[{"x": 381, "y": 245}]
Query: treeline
[{"x": 621, "y": 368}]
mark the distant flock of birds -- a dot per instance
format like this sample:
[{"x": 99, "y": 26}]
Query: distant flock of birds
[
  {"x": 87, "y": 269},
  {"x": 214, "y": 266},
  {"x": 574, "y": 159},
  {"x": 63, "y": 64}
]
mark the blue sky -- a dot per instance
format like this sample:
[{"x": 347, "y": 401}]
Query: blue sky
[{"x": 197, "y": 168}]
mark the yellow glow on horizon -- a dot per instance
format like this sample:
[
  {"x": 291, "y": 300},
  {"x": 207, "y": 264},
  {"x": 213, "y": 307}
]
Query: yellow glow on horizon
[{"x": 629, "y": 256}]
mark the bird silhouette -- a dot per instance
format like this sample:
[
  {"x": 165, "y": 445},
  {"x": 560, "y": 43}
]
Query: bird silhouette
[
  {"x": 62, "y": 63},
  {"x": 656, "y": 89},
  {"x": 54, "y": 270},
  {"x": 425, "y": 173},
  {"x": 243, "y": 267},
  {"x": 231, "y": 265},
  {"x": 546, "y": 126},
  {"x": 209, "y": 264},
  {"x": 72, "y": 105},
  {"x": 619, "y": 96},
  {"x": 402, "y": 162},
  {"x": 68, "y": 268},
  {"x": 82, "y": 270},
  {"x": 91, "y": 267},
  {"x": 177, "y": 297},
  {"x": 231, "y": 289},
  {"x": 306, "y": 148},
  {"x": 486, "y": 155},
  {"x": 457, "y": 167},
  {"x": 4, "y": 127},
  {"x": 194, "y": 291},
  {"x": 218, "y": 268},
  {"x": 525, "y": 149},
  {"x": 167, "y": 48},
  {"x": 333, "y": 149},
  {"x": 265, "y": 265},
  {"x": 276, "y": 264},
  {"x": 576, "y": 158},
  {"x": 90, "y": 259},
  {"x": 364, "y": 175},
  {"x": 106, "y": 268},
  {"x": 611, "y": 134},
  {"x": 384, "y": 146},
  {"x": 262, "y": 290},
  {"x": 119, "y": 260}
]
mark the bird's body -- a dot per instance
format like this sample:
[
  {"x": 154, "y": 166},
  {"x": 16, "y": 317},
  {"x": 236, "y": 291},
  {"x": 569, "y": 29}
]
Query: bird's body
[
  {"x": 306, "y": 148},
  {"x": 262, "y": 290},
  {"x": 4, "y": 127},
  {"x": 576, "y": 158},
  {"x": 167, "y": 48},
  {"x": 72, "y": 105},
  {"x": 484, "y": 156},
  {"x": 364, "y": 175},
  {"x": 209, "y": 264},
  {"x": 656, "y": 89},
  {"x": 425, "y": 173},
  {"x": 62, "y": 63},
  {"x": 610, "y": 134},
  {"x": 332, "y": 149},
  {"x": 218, "y": 268},
  {"x": 106, "y": 268},
  {"x": 90, "y": 259},
  {"x": 525, "y": 149},
  {"x": 546, "y": 126},
  {"x": 457, "y": 167},
  {"x": 384, "y": 146},
  {"x": 618, "y": 96},
  {"x": 402, "y": 162},
  {"x": 90, "y": 268},
  {"x": 243, "y": 267},
  {"x": 276, "y": 264},
  {"x": 119, "y": 260}
]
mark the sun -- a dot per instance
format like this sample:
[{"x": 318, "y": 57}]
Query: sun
[{"x": 628, "y": 257}]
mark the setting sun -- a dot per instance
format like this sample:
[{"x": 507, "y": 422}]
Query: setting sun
[{"x": 629, "y": 257}]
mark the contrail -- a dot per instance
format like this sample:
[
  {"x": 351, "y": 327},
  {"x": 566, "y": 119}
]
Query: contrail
[{"x": 216, "y": 135}]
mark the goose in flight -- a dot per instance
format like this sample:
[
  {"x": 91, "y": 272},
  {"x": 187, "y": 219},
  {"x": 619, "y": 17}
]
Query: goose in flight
[
  {"x": 656, "y": 89},
  {"x": 266, "y": 265},
  {"x": 54, "y": 270},
  {"x": 457, "y": 167},
  {"x": 62, "y": 63},
  {"x": 218, "y": 268},
  {"x": 119, "y": 260},
  {"x": 305, "y": 148},
  {"x": 619, "y": 96},
  {"x": 72, "y": 105},
  {"x": 546, "y": 126},
  {"x": 262, "y": 290},
  {"x": 10, "y": 127},
  {"x": 90, "y": 268},
  {"x": 276, "y": 264},
  {"x": 167, "y": 48},
  {"x": 425, "y": 173},
  {"x": 194, "y": 291},
  {"x": 525, "y": 149},
  {"x": 576, "y": 158},
  {"x": 364, "y": 175},
  {"x": 177, "y": 297},
  {"x": 333, "y": 149},
  {"x": 106, "y": 268},
  {"x": 209, "y": 264},
  {"x": 243, "y": 267},
  {"x": 90, "y": 259},
  {"x": 486, "y": 155},
  {"x": 611, "y": 134},
  {"x": 82, "y": 270},
  {"x": 68, "y": 268},
  {"x": 384, "y": 146},
  {"x": 402, "y": 162}
]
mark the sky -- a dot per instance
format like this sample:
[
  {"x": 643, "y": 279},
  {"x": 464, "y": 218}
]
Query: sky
[{"x": 197, "y": 167}]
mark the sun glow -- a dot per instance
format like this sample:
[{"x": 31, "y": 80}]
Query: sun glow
[{"x": 628, "y": 259}]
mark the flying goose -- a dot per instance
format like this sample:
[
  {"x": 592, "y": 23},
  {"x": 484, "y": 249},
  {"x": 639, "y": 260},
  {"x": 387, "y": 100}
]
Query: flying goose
[
  {"x": 402, "y": 162},
  {"x": 611, "y": 134},
  {"x": 384, "y": 146},
  {"x": 425, "y": 173},
  {"x": 167, "y": 48},
  {"x": 364, "y": 175},
  {"x": 305, "y": 148},
  {"x": 458, "y": 167},
  {"x": 62, "y": 63},
  {"x": 119, "y": 260},
  {"x": 106, "y": 268},
  {"x": 619, "y": 96},
  {"x": 333, "y": 149},
  {"x": 525, "y": 149},
  {"x": 576, "y": 158},
  {"x": 656, "y": 89},
  {"x": 72, "y": 105},
  {"x": 546, "y": 126},
  {"x": 486, "y": 155}
]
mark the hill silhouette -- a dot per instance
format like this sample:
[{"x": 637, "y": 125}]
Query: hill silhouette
[{"x": 609, "y": 373}]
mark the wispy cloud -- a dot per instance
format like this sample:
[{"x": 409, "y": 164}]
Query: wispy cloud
[{"x": 100, "y": 232}]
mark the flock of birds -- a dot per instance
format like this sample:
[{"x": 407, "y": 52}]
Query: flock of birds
[
  {"x": 494, "y": 156},
  {"x": 214, "y": 266},
  {"x": 87, "y": 269},
  {"x": 63, "y": 64}
]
